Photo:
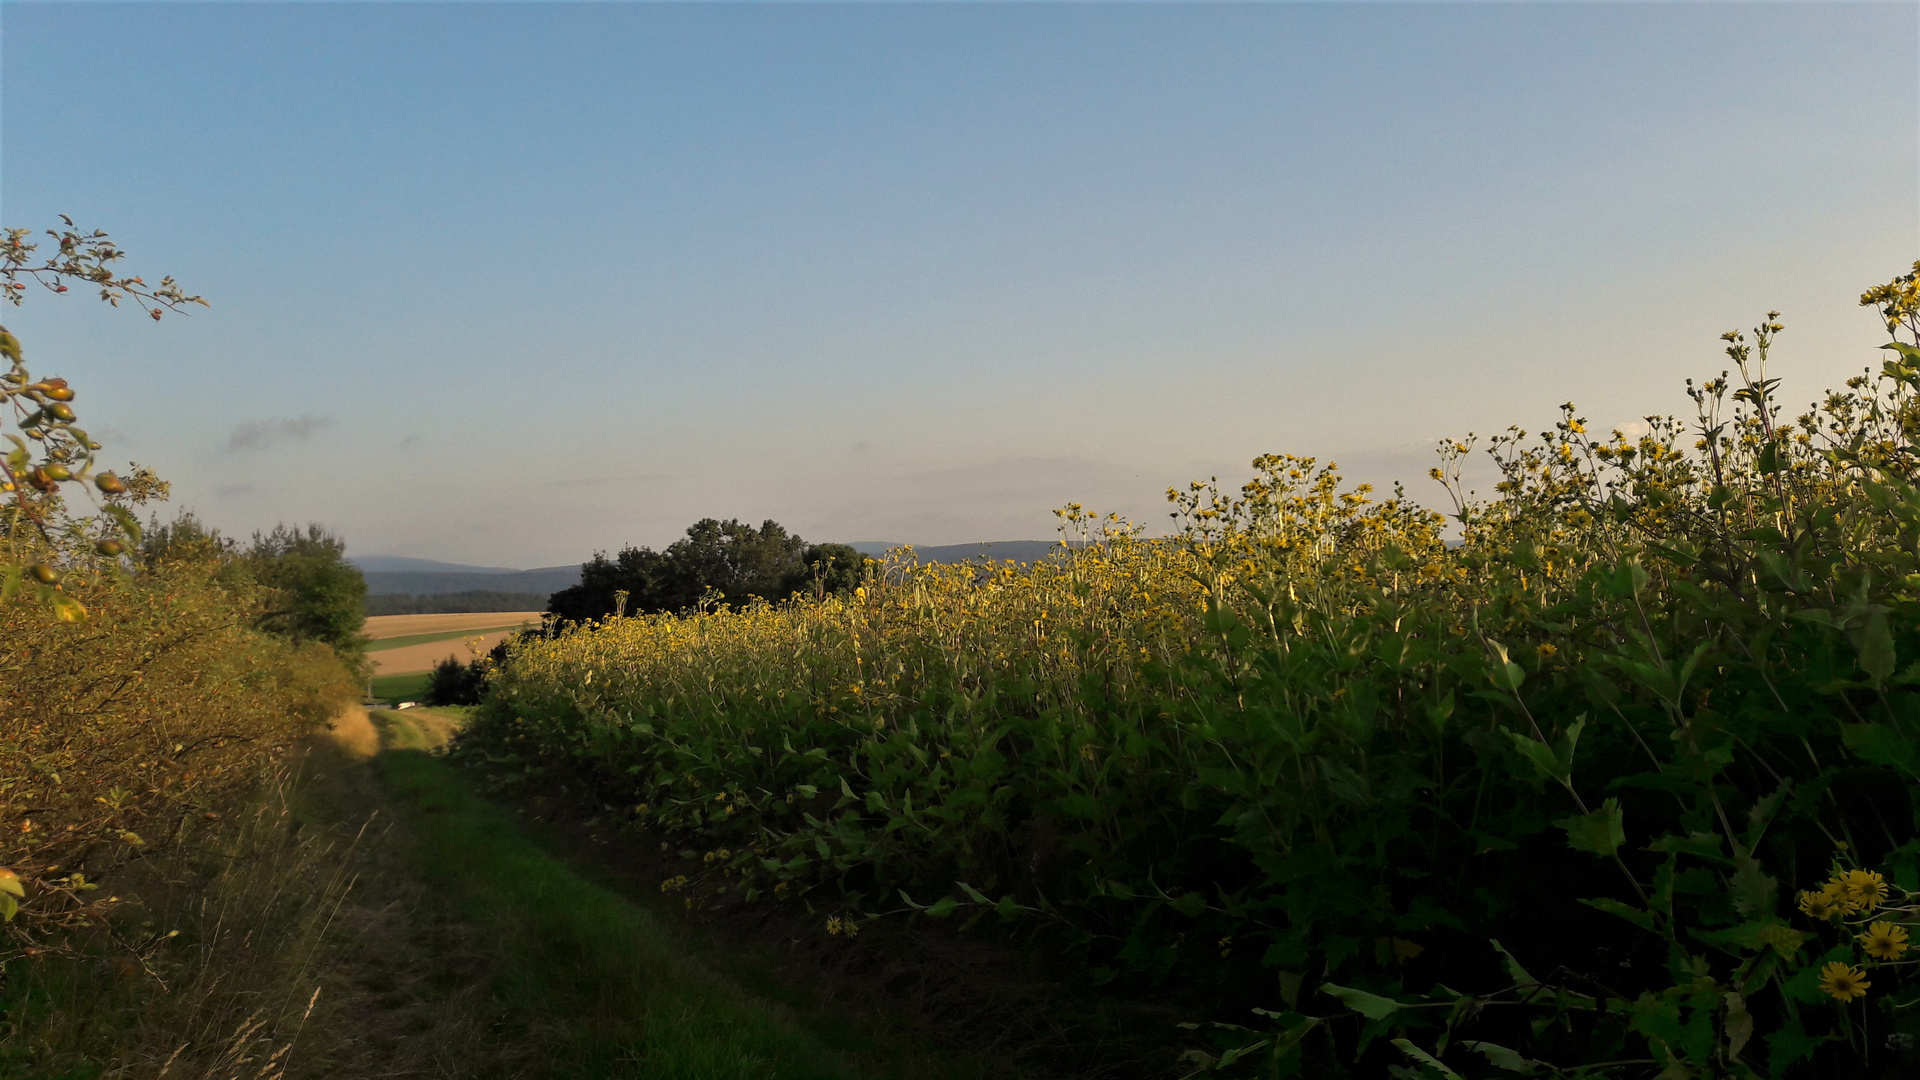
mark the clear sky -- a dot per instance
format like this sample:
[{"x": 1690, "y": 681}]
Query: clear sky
[{"x": 508, "y": 283}]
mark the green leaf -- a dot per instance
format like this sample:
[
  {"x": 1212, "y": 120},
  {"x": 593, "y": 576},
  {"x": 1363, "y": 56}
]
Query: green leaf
[
  {"x": 942, "y": 907},
  {"x": 1600, "y": 832},
  {"x": 1502, "y": 1058},
  {"x": 1752, "y": 890},
  {"x": 1189, "y": 904},
  {"x": 1540, "y": 754},
  {"x": 1788, "y": 1045},
  {"x": 1424, "y": 1058},
  {"x": 1876, "y": 648},
  {"x": 9, "y": 907},
  {"x": 1637, "y": 916},
  {"x": 129, "y": 524},
  {"x": 1371, "y": 1006},
  {"x": 1879, "y": 744},
  {"x": 1518, "y": 974}
]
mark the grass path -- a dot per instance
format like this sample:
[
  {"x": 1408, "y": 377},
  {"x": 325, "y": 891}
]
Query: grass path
[
  {"x": 371, "y": 917},
  {"x": 609, "y": 989}
]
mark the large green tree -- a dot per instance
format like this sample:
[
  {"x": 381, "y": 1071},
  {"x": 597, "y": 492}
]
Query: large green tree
[
  {"x": 315, "y": 594},
  {"x": 727, "y": 562}
]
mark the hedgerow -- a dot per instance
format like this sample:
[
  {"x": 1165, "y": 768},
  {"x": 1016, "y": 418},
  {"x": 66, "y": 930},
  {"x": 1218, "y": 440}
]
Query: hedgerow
[
  {"x": 135, "y": 689},
  {"x": 1610, "y": 773}
]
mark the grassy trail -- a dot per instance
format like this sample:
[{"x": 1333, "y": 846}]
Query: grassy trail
[{"x": 606, "y": 987}]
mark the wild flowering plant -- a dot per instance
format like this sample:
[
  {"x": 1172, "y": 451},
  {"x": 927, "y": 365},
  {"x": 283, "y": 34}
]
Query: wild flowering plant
[{"x": 1351, "y": 771}]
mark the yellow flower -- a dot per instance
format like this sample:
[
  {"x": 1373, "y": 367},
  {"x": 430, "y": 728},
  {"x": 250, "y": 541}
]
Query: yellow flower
[
  {"x": 1864, "y": 890},
  {"x": 1884, "y": 941},
  {"x": 1819, "y": 905},
  {"x": 1843, "y": 983},
  {"x": 1547, "y": 648}
]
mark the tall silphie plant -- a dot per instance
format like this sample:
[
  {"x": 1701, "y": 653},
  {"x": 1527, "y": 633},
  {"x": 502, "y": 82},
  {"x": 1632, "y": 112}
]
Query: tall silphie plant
[{"x": 1611, "y": 772}]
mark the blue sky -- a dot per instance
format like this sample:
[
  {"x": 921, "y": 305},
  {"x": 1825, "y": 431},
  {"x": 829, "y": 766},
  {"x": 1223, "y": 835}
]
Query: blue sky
[{"x": 509, "y": 283}]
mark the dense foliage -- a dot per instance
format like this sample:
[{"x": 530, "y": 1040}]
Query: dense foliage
[
  {"x": 1623, "y": 774},
  {"x": 162, "y": 704},
  {"x": 717, "y": 563},
  {"x": 455, "y": 683},
  {"x": 136, "y": 688},
  {"x": 313, "y": 592}
]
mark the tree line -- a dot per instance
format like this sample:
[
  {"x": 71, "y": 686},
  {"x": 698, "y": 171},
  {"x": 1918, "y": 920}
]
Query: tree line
[{"x": 716, "y": 563}]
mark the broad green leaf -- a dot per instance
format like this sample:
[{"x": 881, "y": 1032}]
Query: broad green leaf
[
  {"x": 1876, "y": 648},
  {"x": 1371, "y": 1006},
  {"x": 1540, "y": 754},
  {"x": 1189, "y": 904},
  {"x": 1879, "y": 744},
  {"x": 1424, "y": 1058},
  {"x": 1520, "y": 975},
  {"x": 1639, "y": 917},
  {"x": 1904, "y": 349},
  {"x": 1600, "y": 832},
  {"x": 942, "y": 907},
  {"x": 1502, "y": 1058},
  {"x": 1753, "y": 891}
]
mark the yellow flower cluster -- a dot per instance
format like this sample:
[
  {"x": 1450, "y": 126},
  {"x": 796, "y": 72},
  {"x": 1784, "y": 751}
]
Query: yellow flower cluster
[
  {"x": 1898, "y": 300},
  {"x": 1848, "y": 892},
  {"x": 1855, "y": 892}
]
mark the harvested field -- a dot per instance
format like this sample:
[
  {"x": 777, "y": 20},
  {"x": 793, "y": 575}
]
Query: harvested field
[
  {"x": 424, "y": 656},
  {"x": 380, "y": 627}
]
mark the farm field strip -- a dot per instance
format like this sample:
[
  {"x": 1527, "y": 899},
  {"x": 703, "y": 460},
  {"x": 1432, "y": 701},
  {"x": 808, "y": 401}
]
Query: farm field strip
[
  {"x": 383, "y": 644},
  {"x": 424, "y": 656},
  {"x": 384, "y": 627}
]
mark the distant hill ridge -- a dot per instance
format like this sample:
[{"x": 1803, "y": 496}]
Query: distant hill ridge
[
  {"x": 400, "y": 575},
  {"x": 456, "y": 578},
  {"x": 1018, "y": 550}
]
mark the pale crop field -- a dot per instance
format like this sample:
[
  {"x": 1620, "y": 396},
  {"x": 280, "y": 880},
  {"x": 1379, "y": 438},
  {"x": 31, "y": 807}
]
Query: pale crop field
[
  {"x": 380, "y": 627},
  {"x": 393, "y": 653}
]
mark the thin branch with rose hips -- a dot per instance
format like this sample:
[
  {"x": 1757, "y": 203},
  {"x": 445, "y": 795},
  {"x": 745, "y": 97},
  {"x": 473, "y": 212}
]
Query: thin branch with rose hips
[
  {"x": 83, "y": 258},
  {"x": 40, "y": 408}
]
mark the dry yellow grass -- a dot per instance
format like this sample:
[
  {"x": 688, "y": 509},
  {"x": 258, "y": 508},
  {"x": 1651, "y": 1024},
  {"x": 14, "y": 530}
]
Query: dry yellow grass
[{"x": 380, "y": 627}]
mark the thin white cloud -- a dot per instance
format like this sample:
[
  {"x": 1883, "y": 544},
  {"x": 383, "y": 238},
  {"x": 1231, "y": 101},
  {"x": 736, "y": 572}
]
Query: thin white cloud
[{"x": 258, "y": 435}]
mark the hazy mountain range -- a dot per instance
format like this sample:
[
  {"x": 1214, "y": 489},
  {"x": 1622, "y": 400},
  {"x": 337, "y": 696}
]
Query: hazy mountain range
[{"x": 389, "y": 575}]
